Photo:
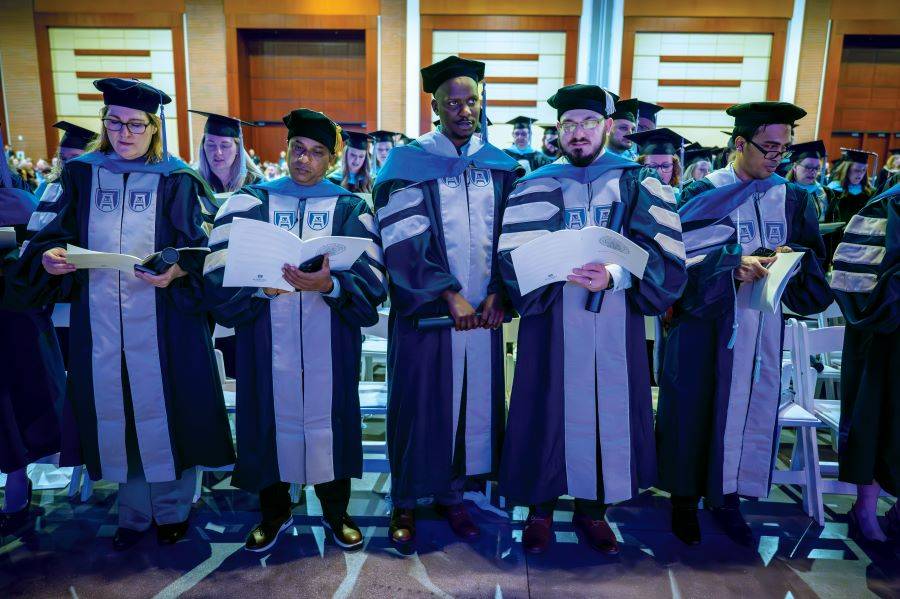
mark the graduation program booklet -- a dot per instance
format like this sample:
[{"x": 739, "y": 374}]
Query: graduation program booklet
[
  {"x": 766, "y": 292},
  {"x": 7, "y": 238},
  {"x": 84, "y": 258},
  {"x": 257, "y": 250},
  {"x": 550, "y": 258}
]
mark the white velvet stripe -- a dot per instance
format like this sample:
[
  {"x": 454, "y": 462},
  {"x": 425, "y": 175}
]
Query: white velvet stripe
[
  {"x": 403, "y": 230},
  {"x": 535, "y": 186},
  {"x": 666, "y": 218},
  {"x": 368, "y": 221},
  {"x": 214, "y": 260},
  {"x": 374, "y": 252},
  {"x": 853, "y": 282},
  {"x": 695, "y": 260},
  {"x": 865, "y": 225},
  {"x": 402, "y": 199},
  {"x": 39, "y": 220},
  {"x": 220, "y": 234},
  {"x": 529, "y": 212},
  {"x": 663, "y": 192},
  {"x": 707, "y": 237},
  {"x": 510, "y": 241},
  {"x": 673, "y": 246},
  {"x": 239, "y": 202},
  {"x": 855, "y": 253},
  {"x": 51, "y": 193}
]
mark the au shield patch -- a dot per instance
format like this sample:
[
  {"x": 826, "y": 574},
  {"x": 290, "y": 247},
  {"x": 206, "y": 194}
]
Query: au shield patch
[
  {"x": 107, "y": 200},
  {"x": 576, "y": 218},
  {"x": 316, "y": 221},
  {"x": 286, "y": 219},
  {"x": 138, "y": 201},
  {"x": 775, "y": 233}
]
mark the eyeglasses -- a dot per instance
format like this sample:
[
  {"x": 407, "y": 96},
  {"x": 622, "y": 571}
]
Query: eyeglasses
[
  {"x": 665, "y": 168},
  {"x": 810, "y": 169},
  {"x": 134, "y": 127},
  {"x": 771, "y": 154},
  {"x": 587, "y": 125}
]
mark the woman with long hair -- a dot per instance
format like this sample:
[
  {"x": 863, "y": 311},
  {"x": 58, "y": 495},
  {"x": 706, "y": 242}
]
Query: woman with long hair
[
  {"x": 659, "y": 149},
  {"x": 850, "y": 181},
  {"x": 354, "y": 175},
  {"x": 222, "y": 160},
  {"x": 142, "y": 379}
]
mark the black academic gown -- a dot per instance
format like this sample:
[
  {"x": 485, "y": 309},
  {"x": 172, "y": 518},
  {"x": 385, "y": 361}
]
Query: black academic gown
[
  {"x": 866, "y": 283},
  {"x": 142, "y": 378}
]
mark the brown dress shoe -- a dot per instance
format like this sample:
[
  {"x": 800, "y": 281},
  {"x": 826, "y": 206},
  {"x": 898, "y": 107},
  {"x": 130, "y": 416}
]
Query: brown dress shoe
[
  {"x": 460, "y": 521},
  {"x": 402, "y": 529},
  {"x": 597, "y": 533},
  {"x": 538, "y": 533},
  {"x": 345, "y": 531}
]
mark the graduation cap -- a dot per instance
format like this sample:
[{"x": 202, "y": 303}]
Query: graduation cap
[
  {"x": 449, "y": 68},
  {"x": 658, "y": 141},
  {"x": 354, "y": 139},
  {"x": 808, "y": 149},
  {"x": 521, "y": 122},
  {"x": 580, "y": 96},
  {"x": 549, "y": 129},
  {"x": 379, "y": 136},
  {"x": 857, "y": 156},
  {"x": 131, "y": 93},
  {"x": 648, "y": 110},
  {"x": 74, "y": 137},
  {"x": 626, "y": 110},
  {"x": 314, "y": 125},
  {"x": 696, "y": 152},
  {"x": 756, "y": 114},
  {"x": 217, "y": 124}
]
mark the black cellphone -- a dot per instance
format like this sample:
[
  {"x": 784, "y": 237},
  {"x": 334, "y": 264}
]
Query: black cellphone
[
  {"x": 146, "y": 269},
  {"x": 313, "y": 264},
  {"x": 763, "y": 253}
]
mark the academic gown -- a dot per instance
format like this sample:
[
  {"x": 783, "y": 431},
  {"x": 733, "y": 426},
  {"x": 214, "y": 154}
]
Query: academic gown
[
  {"x": 298, "y": 355},
  {"x": 439, "y": 214},
  {"x": 142, "y": 378},
  {"x": 32, "y": 376},
  {"x": 580, "y": 416},
  {"x": 866, "y": 284},
  {"x": 846, "y": 203},
  {"x": 720, "y": 387},
  {"x": 529, "y": 159}
]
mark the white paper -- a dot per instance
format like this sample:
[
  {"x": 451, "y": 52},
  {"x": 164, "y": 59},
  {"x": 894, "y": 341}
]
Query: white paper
[
  {"x": 83, "y": 258},
  {"x": 550, "y": 258},
  {"x": 7, "y": 238},
  {"x": 257, "y": 251},
  {"x": 765, "y": 294}
]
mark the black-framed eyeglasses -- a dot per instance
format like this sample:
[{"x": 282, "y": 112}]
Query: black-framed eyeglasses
[
  {"x": 664, "y": 168},
  {"x": 134, "y": 127},
  {"x": 771, "y": 154}
]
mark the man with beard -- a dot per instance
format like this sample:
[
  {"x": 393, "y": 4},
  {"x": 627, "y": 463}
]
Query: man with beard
[
  {"x": 439, "y": 202},
  {"x": 550, "y": 143},
  {"x": 720, "y": 387},
  {"x": 580, "y": 417},
  {"x": 624, "y": 123}
]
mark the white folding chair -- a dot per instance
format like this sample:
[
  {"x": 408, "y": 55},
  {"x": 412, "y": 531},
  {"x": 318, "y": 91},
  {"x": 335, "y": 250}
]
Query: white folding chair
[
  {"x": 796, "y": 413},
  {"x": 830, "y": 377}
]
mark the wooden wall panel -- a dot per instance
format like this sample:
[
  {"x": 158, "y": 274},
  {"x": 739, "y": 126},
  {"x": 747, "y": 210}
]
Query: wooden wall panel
[
  {"x": 108, "y": 7},
  {"x": 501, "y": 7},
  {"x": 460, "y": 22},
  {"x": 304, "y": 7},
  {"x": 154, "y": 20},
  {"x": 710, "y": 8}
]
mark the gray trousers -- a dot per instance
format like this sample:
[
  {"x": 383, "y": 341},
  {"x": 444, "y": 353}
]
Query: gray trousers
[{"x": 140, "y": 502}]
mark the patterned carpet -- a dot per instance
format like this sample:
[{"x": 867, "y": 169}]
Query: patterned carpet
[{"x": 68, "y": 553}]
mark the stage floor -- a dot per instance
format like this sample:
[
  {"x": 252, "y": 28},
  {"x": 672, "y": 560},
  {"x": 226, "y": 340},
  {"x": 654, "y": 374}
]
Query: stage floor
[{"x": 69, "y": 554}]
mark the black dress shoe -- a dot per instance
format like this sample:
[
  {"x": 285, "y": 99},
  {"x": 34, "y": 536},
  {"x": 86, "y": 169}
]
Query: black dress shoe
[
  {"x": 125, "y": 538},
  {"x": 402, "y": 530},
  {"x": 15, "y": 522},
  {"x": 265, "y": 535},
  {"x": 732, "y": 522},
  {"x": 685, "y": 525},
  {"x": 169, "y": 534},
  {"x": 892, "y": 523},
  {"x": 345, "y": 531}
]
